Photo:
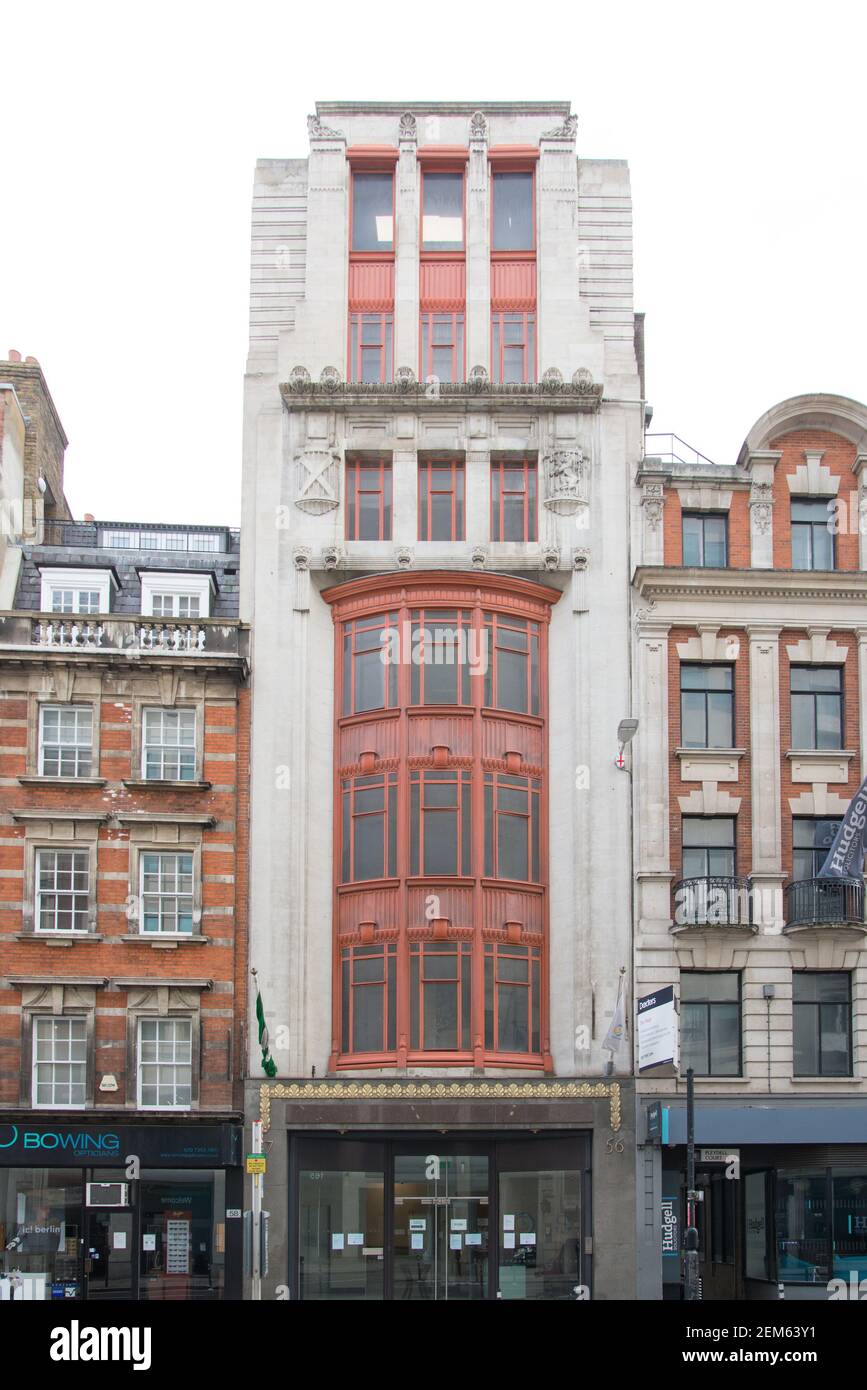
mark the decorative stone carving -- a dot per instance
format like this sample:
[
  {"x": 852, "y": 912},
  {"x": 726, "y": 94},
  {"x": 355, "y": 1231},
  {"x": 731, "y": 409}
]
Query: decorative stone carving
[
  {"x": 479, "y": 557},
  {"x": 566, "y": 131},
  {"x": 404, "y": 378},
  {"x": 404, "y": 557},
  {"x": 331, "y": 556},
  {"x": 582, "y": 379},
  {"x": 551, "y": 557},
  {"x": 552, "y": 379},
  {"x": 299, "y": 379},
  {"x": 317, "y": 480},
  {"x": 330, "y": 378},
  {"x": 478, "y": 378},
  {"x": 317, "y": 131},
  {"x": 408, "y": 127},
  {"x": 565, "y": 480},
  {"x": 652, "y": 499},
  {"x": 301, "y": 557},
  {"x": 580, "y": 559},
  {"x": 478, "y": 126},
  {"x": 761, "y": 503}
]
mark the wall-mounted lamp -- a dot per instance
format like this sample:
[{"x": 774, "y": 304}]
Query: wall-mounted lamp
[{"x": 626, "y": 731}]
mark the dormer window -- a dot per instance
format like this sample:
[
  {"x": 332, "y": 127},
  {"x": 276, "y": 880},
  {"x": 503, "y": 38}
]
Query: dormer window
[
  {"x": 75, "y": 591},
  {"x": 176, "y": 596}
]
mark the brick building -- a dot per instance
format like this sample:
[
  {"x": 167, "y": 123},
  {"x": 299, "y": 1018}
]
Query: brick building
[
  {"x": 750, "y": 660},
  {"x": 123, "y": 804}
]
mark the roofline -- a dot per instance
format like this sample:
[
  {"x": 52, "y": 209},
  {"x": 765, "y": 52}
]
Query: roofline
[{"x": 456, "y": 108}]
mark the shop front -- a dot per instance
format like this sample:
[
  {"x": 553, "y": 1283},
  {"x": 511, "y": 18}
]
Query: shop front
[{"x": 126, "y": 1212}]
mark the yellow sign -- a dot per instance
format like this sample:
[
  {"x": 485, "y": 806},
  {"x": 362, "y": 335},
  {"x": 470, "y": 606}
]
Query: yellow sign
[{"x": 256, "y": 1163}]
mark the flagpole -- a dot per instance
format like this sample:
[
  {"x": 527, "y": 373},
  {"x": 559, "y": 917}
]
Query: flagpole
[{"x": 256, "y": 1203}]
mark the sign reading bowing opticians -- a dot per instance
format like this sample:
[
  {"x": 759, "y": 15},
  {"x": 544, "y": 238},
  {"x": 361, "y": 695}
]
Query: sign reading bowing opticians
[{"x": 657, "y": 1029}]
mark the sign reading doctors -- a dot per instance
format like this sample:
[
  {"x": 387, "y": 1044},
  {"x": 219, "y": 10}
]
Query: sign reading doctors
[{"x": 657, "y": 1029}]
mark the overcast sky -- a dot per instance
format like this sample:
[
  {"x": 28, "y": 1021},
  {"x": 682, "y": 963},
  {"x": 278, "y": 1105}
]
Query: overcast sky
[{"x": 131, "y": 133}]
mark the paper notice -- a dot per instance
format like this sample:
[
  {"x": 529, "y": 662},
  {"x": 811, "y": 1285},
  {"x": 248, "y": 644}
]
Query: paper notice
[
  {"x": 508, "y": 1223},
  {"x": 355, "y": 1238},
  {"x": 417, "y": 1240},
  {"x": 459, "y": 1223},
  {"x": 509, "y": 1240},
  {"x": 337, "y": 1240},
  {"x": 528, "y": 1237},
  {"x": 119, "y": 1240},
  {"x": 455, "y": 1240}
]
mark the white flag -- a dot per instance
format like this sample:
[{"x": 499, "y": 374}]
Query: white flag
[{"x": 617, "y": 1028}]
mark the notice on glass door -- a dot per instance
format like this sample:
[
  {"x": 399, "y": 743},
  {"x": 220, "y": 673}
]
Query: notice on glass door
[
  {"x": 337, "y": 1240},
  {"x": 417, "y": 1240},
  {"x": 508, "y": 1223}
]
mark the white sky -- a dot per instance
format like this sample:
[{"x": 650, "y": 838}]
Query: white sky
[{"x": 131, "y": 136}]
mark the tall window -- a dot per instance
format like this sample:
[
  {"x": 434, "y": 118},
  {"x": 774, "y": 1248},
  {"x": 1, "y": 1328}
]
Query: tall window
[
  {"x": 440, "y": 999},
  {"x": 167, "y": 893},
  {"x": 710, "y": 1009},
  {"x": 372, "y": 212},
  {"x": 513, "y": 501},
  {"x": 368, "y": 993},
  {"x": 369, "y": 828},
  {"x": 512, "y": 221},
  {"x": 368, "y": 500},
  {"x": 62, "y": 889},
  {"x": 165, "y": 1063},
  {"x": 812, "y": 537},
  {"x": 439, "y": 823},
  {"x": 513, "y": 346},
  {"x": 512, "y": 674},
  {"x": 442, "y": 211},
  {"x": 708, "y": 846},
  {"x": 512, "y": 827},
  {"x": 440, "y": 500},
  {"x": 370, "y": 347},
  {"x": 704, "y": 540},
  {"x": 59, "y": 1062},
  {"x": 444, "y": 653},
  {"x": 822, "y": 1022},
  {"x": 707, "y": 708},
  {"x": 811, "y": 840},
  {"x": 442, "y": 346},
  {"x": 370, "y": 663},
  {"x": 65, "y": 740},
  {"x": 512, "y": 998},
  {"x": 169, "y": 745},
  {"x": 817, "y": 706}
]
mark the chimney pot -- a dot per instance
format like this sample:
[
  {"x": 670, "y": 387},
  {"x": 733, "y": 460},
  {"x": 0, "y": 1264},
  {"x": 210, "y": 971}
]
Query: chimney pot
[
  {"x": 34, "y": 361},
  {"x": 88, "y": 517},
  {"x": 14, "y": 355}
]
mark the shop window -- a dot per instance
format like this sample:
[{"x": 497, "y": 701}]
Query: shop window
[
  {"x": 59, "y": 1062},
  {"x": 368, "y": 500},
  {"x": 757, "y": 1226},
  {"x": 165, "y": 1063},
  {"x": 817, "y": 706},
  {"x": 62, "y": 889},
  {"x": 512, "y": 827},
  {"x": 849, "y": 1207},
  {"x": 337, "y": 1199},
  {"x": 368, "y": 998},
  {"x": 707, "y": 706},
  {"x": 440, "y": 500},
  {"x": 443, "y": 656},
  {"x": 513, "y": 501},
  {"x": 812, "y": 537},
  {"x": 512, "y": 196},
  {"x": 370, "y": 663},
  {"x": 811, "y": 840},
  {"x": 183, "y": 1235},
  {"x": 40, "y": 1231},
  {"x": 511, "y": 998},
  {"x": 167, "y": 893},
  {"x": 708, "y": 846},
  {"x": 710, "y": 1012},
  {"x": 442, "y": 347},
  {"x": 440, "y": 996},
  {"x": 65, "y": 740},
  {"x": 372, "y": 212},
  {"x": 442, "y": 211},
  {"x": 371, "y": 338},
  {"x": 439, "y": 826},
  {"x": 512, "y": 674},
  {"x": 369, "y": 847},
  {"x": 513, "y": 346},
  {"x": 704, "y": 538},
  {"x": 802, "y": 1227},
  {"x": 822, "y": 1022},
  {"x": 169, "y": 745}
]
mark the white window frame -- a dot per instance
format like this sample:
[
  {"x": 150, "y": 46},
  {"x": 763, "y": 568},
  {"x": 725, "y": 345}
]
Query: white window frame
[
  {"x": 180, "y": 711},
  {"x": 76, "y": 746},
  {"x": 78, "y": 581},
  {"x": 159, "y": 1024},
  {"x": 162, "y": 893},
  {"x": 56, "y": 893},
  {"x": 183, "y": 585},
  {"x": 53, "y": 1020}
]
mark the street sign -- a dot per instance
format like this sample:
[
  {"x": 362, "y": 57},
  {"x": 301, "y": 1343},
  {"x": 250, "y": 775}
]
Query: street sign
[
  {"x": 256, "y": 1163},
  {"x": 718, "y": 1155}
]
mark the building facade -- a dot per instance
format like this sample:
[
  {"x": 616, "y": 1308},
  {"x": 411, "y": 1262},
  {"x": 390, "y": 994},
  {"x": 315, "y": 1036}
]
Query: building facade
[
  {"x": 444, "y": 412},
  {"x": 124, "y": 714},
  {"x": 750, "y": 656}
]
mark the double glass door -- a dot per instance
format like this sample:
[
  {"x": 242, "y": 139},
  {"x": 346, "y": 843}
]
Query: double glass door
[{"x": 441, "y": 1226}]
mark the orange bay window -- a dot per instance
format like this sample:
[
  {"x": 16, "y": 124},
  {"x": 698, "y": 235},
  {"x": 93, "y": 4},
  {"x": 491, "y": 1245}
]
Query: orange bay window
[{"x": 440, "y": 893}]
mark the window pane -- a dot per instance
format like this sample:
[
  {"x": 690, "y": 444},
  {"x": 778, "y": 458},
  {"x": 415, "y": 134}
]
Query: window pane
[
  {"x": 443, "y": 220},
  {"x": 715, "y": 541},
  {"x": 719, "y": 720},
  {"x": 372, "y": 212},
  {"x": 512, "y": 848},
  {"x": 692, "y": 714},
  {"x": 834, "y": 1023},
  {"x": 828, "y": 722},
  {"x": 725, "y": 1039},
  {"x": 801, "y": 548},
  {"x": 367, "y": 1032},
  {"x": 803, "y": 728},
  {"x": 692, "y": 538},
  {"x": 805, "y": 1029},
  {"x": 694, "y": 1038},
  {"x": 513, "y": 212}
]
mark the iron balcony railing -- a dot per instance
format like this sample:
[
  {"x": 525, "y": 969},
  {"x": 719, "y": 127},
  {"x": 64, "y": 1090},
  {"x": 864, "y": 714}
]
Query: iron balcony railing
[
  {"x": 825, "y": 902},
  {"x": 670, "y": 448},
  {"x": 717, "y": 901}
]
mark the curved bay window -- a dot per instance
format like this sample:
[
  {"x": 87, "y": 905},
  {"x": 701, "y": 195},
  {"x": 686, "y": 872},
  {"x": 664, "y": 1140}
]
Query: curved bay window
[{"x": 440, "y": 897}]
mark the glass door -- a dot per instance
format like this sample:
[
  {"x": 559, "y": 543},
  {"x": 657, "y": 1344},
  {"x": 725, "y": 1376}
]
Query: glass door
[
  {"x": 540, "y": 1205},
  {"x": 441, "y": 1226},
  {"x": 108, "y": 1254}
]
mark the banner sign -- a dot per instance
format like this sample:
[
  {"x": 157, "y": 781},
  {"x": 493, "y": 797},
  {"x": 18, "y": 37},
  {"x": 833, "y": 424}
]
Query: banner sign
[{"x": 657, "y": 1029}]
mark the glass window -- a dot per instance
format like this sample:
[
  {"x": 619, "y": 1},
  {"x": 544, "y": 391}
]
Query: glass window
[
  {"x": 708, "y": 846},
  {"x": 512, "y": 827},
  {"x": 440, "y": 823},
  {"x": 372, "y": 212},
  {"x": 442, "y": 347},
  {"x": 811, "y": 840},
  {"x": 332, "y": 1206},
  {"x": 368, "y": 500},
  {"x": 707, "y": 706},
  {"x": 183, "y": 1234},
  {"x": 710, "y": 1022},
  {"x": 165, "y": 1063},
  {"x": 368, "y": 993},
  {"x": 369, "y": 828},
  {"x": 443, "y": 212},
  {"x": 62, "y": 889},
  {"x": 40, "y": 1230},
  {"x": 440, "y": 1000},
  {"x": 370, "y": 347},
  {"x": 512, "y": 674},
  {"x": 511, "y": 999},
  {"x": 440, "y": 500},
  {"x": 513, "y": 347},
  {"x": 444, "y": 651},
  {"x": 543, "y": 1258},
  {"x": 59, "y": 1062},
  {"x": 817, "y": 706},
  {"x": 756, "y": 1262},
  {"x": 704, "y": 540},
  {"x": 175, "y": 605},
  {"x": 513, "y": 501},
  {"x": 370, "y": 663},
  {"x": 822, "y": 1022},
  {"x": 65, "y": 740},
  {"x": 802, "y": 1227},
  {"x": 513, "y": 212},
  {"x": 812, "y": 537},
  {"x": 169, "y": 745},
  {"x": 75, "y": 600},
  {"x": 167, "y": 893},
  {"x": 850, "y": 1224}
]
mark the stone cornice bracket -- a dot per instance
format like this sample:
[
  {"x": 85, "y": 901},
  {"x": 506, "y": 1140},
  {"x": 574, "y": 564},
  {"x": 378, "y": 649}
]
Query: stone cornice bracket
[
  {"x": 331, "y": 556},
  {"x": 479, "y": 557},
  {"x": 478, "y": 128},
  {"x": 551, "y": 557},
  {"x": 408, "y": 129},
  {"x": 567, "y": 131},
  {"x": 318, "y": 131},
  {"x": 403, "y": 557}
]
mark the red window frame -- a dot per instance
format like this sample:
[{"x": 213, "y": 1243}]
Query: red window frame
[
  {"x": 497, "y": 980},
  {"x": 360, "y": 639},
  {"x": 360, "y": 321},
  {"x": 360, "y": 170},
  {"x": 442, "y": 478},
  {"x": 353, "y": 958},
  {"x": 425, "y": 623},
  {"x": 497, "y": 628},
  {"x": 382, "y": 490},
  {"x": 425, "y": 814},
  {"x": 451, "y": 252},
  {"x": 500, "y": 320},
  {"x": 498, "y": 787},
  {"x": 500, "y": 494},
  {"x": 431, "y": 321},
  {"x": 353, "y": 790},
  {"x": 422, "y": 956}
]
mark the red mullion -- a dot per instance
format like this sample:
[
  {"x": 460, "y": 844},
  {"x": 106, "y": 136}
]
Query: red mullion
[
  {"x": 337, "y": 839},
  {"x": 544, "y": 871},
  {"x": 477, "y": 804},
  {"x": 402, "y": 962}
]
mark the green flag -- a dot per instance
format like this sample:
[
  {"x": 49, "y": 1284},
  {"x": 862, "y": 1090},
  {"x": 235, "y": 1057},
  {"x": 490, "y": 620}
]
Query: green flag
[{"x": 269, "y": 1066}]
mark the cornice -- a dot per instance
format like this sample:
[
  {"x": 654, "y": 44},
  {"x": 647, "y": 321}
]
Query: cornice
[
  {"x": 480, "y": 394},
  {"x": 655, "y": 582}
]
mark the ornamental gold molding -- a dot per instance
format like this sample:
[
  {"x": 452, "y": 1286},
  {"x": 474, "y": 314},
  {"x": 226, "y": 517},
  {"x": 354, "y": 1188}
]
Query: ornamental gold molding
[{"x": 440, "y": 1090}]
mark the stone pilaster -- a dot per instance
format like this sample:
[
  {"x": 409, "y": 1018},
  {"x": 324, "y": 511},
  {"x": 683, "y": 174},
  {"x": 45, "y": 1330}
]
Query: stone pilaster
[
  {"x": 478, "y": 237},
  {"x": 761, "y": 465},
  {"x": 767, "y": 869},
  {"x": 406, "y": 302}
]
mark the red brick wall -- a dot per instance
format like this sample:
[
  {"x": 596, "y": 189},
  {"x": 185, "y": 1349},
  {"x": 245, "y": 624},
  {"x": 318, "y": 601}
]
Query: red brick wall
[
  {"x": 838, "y": 456},
  {"x": 738, "y": 530}
]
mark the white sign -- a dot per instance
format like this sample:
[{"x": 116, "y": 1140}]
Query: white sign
[
  {"x": 148, "y": 1241},
  {"x": 657, "y": 1029},
  {"x": 718, "y": 1155}
]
